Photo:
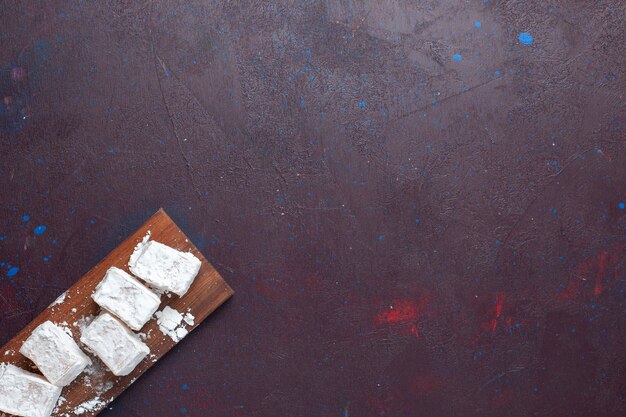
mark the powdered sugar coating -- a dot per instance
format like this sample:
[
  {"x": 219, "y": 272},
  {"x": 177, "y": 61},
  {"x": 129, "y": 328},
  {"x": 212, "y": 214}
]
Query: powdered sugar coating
[
  {"x": 125, "y": 297},
  {"x": 26, "y": 394},
  {"x": 55, "y": 353},
  {"x": 164, "y": 267},
  {"x": 118, "y": 347}
]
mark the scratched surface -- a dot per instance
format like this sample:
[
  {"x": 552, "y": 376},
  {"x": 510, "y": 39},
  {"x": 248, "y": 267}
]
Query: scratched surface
[{"x": 419, "y": 205}]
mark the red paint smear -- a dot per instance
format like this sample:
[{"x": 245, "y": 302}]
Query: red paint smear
[
  {"x": 410, "y": 330},
  {"x": 425, "y": 384},
  {"x": 264, "y": 290},
  {"x": 493, "y": 324},
  {"x": 597, "y": 289},
  {"x": 508, "y": 322},
  {"x": 596, "y": 269},
  {"x": 403, "y": 311},
  {"x": 500, "y": 296},
  {"x": 570, "y": 292}
]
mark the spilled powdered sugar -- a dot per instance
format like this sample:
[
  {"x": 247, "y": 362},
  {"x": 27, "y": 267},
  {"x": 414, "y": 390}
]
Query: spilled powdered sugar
[
  {"x": 83, "y": 322},
  {"x": 170, "y": 323},
  {"x": 64, "y": 326},
  {"x": 189, "y": 318},
  {"x": 94, "y": 377},
  {"x": 145, "y": 336},
  {"x": 60, "y": 402},
  {"x": 59, "y": 299},
  {"x": 91, "y": 405}
]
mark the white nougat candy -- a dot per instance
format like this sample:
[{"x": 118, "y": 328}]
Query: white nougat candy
[
  {"x": 118, "y": 347},
  {"x": 164, "y": 267},
  {"x": 55, "y": 353},
  {"x": 127, "y": 298},
  {"x": 25, "y": 394}
]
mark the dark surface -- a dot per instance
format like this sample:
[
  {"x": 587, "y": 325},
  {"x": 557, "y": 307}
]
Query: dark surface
[{"x": 333, "y": 159}]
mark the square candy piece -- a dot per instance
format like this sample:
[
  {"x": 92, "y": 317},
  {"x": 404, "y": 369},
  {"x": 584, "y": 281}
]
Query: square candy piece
[
  {"x": 25, "y": 394},
  {"x": 127, "y": 298},
  {"x": 164, "y": 267},
  {"x": 55, "y": 353},
  {"x": 118, "y": 347}
]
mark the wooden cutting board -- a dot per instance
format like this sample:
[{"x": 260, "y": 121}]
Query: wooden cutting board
[{"x": 95, "y": 388}]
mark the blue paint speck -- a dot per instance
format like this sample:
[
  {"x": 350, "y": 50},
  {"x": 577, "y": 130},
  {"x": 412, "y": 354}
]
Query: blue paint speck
[
  {"x": 434, "y": 102},
  {"x": 497, "y": 242},
  {"x": 185, "y": 387},
  {"x": 525, "y": 38},
  {"x": 46, "y": 259},
  {"x": 12, "y": 271},
  {"x": 477, "y": 24},
  {"x": 26, "y": 217},
  {"x": 621, "y": 205},
  {"x": 183, "y": 410},
  {"x": 498, "y": 72},
  {"x": 380, "y": 237},
  {"x": 361, "y": 104},
  {"x": 308, "y": 52},
  {"x": 91, "y": 221},
  {"x": 458, "y": 57},
  {"x": 40, "y": 229},
  {"x": 417, "y": 221}
]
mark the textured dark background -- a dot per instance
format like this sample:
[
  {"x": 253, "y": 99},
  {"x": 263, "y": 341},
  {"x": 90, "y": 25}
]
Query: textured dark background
[{"x": 421, "y": 214}]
